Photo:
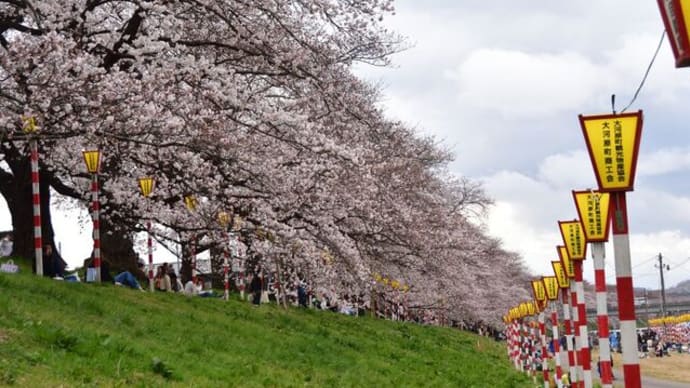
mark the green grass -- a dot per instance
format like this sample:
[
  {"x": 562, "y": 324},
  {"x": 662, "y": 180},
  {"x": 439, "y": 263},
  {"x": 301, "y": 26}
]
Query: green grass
[{"x": 74, "y": 334}]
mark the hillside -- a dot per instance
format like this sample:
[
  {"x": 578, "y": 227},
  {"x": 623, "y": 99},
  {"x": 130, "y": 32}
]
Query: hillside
[{"x": 73, "y": 334}]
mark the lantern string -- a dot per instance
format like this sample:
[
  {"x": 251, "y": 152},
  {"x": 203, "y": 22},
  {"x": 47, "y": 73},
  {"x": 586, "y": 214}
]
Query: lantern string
[{"x": 646, "y": 73}]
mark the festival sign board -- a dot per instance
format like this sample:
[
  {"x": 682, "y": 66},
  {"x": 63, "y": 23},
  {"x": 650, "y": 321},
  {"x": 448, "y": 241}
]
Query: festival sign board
[
  {"x": 676, "y": 16},
  {"x": 538, "y": 290},
  {"x": 551, "y": 287},
  {"x": 574, "y": 239},
  {"x": 613, "y": 142},
  {"x": 593, "y": 209},
  {"x": 561, "y": 276},
  {"x": 566, "y": 263}
]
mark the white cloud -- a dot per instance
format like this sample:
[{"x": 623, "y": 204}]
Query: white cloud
[
  {"x": 664, "y": 161},
  {"x": 522, "y": 85},
  {"x": 568, "y": 171}
]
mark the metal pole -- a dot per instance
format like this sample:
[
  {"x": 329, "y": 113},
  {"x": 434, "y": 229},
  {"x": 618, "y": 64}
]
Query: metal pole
[
  {"x": 585, "y": 354},
  {"x": 95, "y": 215},
  {"x": 556, "y": 344},
  {"x": 226, "y": 283},
  {"x": 578, "y": 378},
  {"x": 544, "y": 350},
  {"x": 36, "y": 198},
  {"x": 567, "y": 323},
  {"x": 598, "y": 256},
  {"x": 150, "y": 246},
  {"x": 624, "y": 289},
  {"x": 241, "y": 268},
  {"x": 192, "y": 252}
]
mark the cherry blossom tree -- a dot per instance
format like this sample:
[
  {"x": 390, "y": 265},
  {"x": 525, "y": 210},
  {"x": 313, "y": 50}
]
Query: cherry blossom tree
[{"x": 251, "y": 107}]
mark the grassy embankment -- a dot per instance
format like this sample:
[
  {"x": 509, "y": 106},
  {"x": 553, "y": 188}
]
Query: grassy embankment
[{"x": 74, "y": 334}]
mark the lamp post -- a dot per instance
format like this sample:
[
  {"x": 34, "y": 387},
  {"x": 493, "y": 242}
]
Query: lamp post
[
  {"x": 224, "y": 220},
  {"x": 593, "y": 208},
  {"x": 540, "y": 297},
  {"x": 576, "y": 247},
  {"x": 92, "y": 159},
  {"x": 190, "y": 202},
  {"x": 569, "y": 311},
  {"x": 29, "y": 127},
  {"x": 236, "y": 226},
  {"x": 551, "y": 288},
  {"x": 146, "y": 186},
  {"x": 613, "y": 142}
]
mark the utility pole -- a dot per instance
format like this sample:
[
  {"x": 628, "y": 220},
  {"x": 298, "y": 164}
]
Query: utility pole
[{"x": 661, "y": 267}]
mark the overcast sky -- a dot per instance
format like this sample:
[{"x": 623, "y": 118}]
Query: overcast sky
[{"x": 501, "y": 83}]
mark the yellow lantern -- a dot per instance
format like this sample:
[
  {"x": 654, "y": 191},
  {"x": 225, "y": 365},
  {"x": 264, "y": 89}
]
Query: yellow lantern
[
  {"x": 190, "y": 202},
  {"x": 29, "y": 124},
  {"x": 223, "y": 218},
  {"x": 146, "y": 185},
  {"x": 92, "y": 158}
]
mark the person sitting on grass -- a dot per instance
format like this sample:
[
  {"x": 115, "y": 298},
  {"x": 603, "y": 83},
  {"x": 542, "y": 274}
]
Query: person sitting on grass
[
  {"x": 126, "y": 278},
  {"x": 162, "y": 280},
  {"x": 191, "y": 289}
]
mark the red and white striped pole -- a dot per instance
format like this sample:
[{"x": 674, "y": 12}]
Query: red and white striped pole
[
  {"x": 624, "y": 290},
  {"x": 36, "y": 199},
  {"x": 192, "y": 252},
  {"x": 585, "y": 355},
  {"x": 517, "y": 339},
  {"x": 544, "y": 350},
  {"x": 226, "y": 281},
  {"x": 92, "y": 159},
  {"x": 150, "y": 248},
  {"x": 96, "y": 211},
  {"x": 524, "y": 349},
  {"x": 533, "y": 349},
  {"x": 598, "y": 254},
  {"x": 241, "y": 287},
  {"x": 511, "y": 334},
  {"x": 578, "y": 377},
  {"x": 190, "y": 202},
  {"x": 146, "y": 185},
  {"x": 567, "y": 324},
  {"x": 556, "y": 344}
]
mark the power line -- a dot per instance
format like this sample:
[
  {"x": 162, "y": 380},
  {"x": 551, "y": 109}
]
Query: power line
[
  {"x": 646, "y": 73},
  {"x": 644, "y": 262}
]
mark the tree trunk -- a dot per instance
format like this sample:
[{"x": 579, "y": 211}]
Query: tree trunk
[
  {"x": 16, "y": 188},
  {"x": 117, "y": 247},
  {"x": 116, "y": 236}
]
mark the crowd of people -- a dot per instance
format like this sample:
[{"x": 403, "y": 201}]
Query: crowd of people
[{"x": 263, "y": 287}]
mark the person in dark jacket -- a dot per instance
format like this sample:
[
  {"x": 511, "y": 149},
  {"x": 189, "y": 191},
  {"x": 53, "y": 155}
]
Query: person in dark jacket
[
  {"x": 53, "y": 265},
  {"x": 255, "y": 287}
]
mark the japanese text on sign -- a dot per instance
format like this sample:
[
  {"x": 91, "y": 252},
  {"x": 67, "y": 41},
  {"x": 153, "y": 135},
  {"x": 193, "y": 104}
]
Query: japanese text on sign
[{"x": 574, "y": 239}]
